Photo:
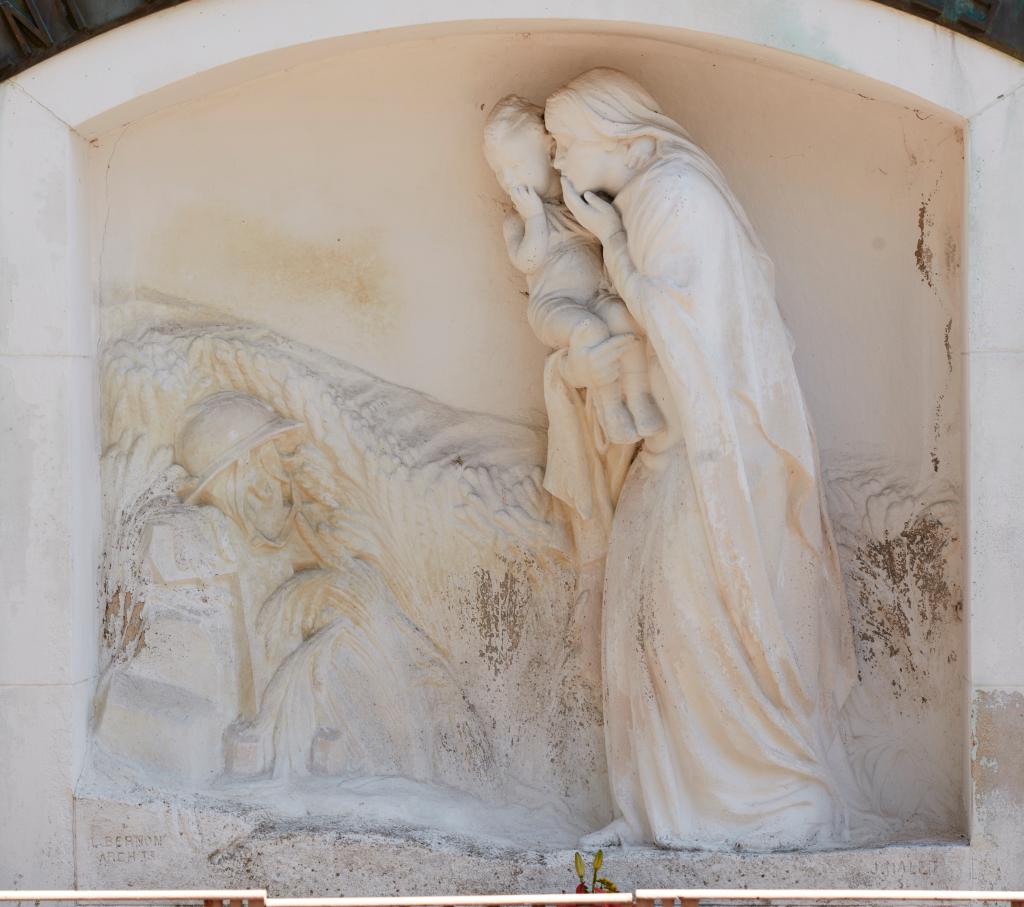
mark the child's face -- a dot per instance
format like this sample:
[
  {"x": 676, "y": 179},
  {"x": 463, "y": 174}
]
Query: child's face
[{"x": 524, "y": 159}]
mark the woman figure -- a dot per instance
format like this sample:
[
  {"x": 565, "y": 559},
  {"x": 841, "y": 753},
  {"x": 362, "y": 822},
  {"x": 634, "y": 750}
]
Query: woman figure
[{"x": 727, "y": 643}]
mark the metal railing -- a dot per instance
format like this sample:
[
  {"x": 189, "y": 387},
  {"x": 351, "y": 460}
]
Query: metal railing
[
  {"x": 253, "y": 897},
  {"x": 684, "y": 897},
  {"x": 691, "y": 897},
  {"x": 260, "y": 898}
]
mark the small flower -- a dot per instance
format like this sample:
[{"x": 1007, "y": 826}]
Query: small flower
[{"x": 597, "y": 884}]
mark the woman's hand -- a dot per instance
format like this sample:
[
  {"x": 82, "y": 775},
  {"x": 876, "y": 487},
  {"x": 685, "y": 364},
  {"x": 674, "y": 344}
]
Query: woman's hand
[
  {"x": 595, "y": 366},
  {"x": 592, "y": 212}
]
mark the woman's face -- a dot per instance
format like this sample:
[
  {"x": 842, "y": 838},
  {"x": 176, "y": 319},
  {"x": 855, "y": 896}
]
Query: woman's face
[{"x": 592, "y": 163}]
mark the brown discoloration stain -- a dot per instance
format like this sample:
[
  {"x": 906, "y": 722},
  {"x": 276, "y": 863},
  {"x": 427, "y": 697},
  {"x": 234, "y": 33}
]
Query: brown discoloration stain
[
  {"x": 648, "y": 632},
  {"x": 124, "y": 630},
  {"x": 233, "y": 260},
  {"x": 927, "y": 540},
  {"x": 500, "y": 609},
  {"x": 923, "y": 253},
  {"x": 946, "y": 343},
  {"x": 902, "y": 581},
  {"x": 110, "y": 618},
  {"x": 937, "y": 429}
]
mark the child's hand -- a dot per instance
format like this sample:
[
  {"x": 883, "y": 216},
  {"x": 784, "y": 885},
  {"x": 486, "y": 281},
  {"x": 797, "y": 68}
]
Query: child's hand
[
  {"x": 528, "y": 203},
  {"x": 595, "y": 366}
]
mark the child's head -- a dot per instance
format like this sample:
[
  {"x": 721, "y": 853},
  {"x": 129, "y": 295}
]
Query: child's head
[{"x": 518, "y": 147}]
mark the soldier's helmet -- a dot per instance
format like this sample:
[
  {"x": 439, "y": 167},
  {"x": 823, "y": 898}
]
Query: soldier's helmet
[{"x": 219, "y": 431}]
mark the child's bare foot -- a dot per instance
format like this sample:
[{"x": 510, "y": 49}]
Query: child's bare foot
[{"x": 617, "y": 422}]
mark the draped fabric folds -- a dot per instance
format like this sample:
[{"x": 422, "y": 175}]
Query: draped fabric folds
[
  {"x": 727, "y": 646},
  {"x": 728, "y": 649}
]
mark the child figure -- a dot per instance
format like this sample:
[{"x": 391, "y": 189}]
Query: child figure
[{"x": 564, "y": 268}]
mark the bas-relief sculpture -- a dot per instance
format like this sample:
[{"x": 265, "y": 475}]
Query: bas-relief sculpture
[
  {"x": 727, "y": 646},
  {"x": 341, "y": 578},
  {"x": 570, "y": 303},
  {"x": 899, "y": 544},
  {"x": 638, "y": 630}
]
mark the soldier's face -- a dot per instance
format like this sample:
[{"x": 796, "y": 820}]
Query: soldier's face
[{"x": 263, "y": 492}]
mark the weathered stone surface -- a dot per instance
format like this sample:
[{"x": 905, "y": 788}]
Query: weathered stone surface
[
  {"x": 38, "y": 752},
  {"x": 147, "y": 839},
  {"x": 996, "y": 769}
]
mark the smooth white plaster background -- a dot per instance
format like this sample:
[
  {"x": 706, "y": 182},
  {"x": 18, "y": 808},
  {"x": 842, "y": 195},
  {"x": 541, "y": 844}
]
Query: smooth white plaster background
[{"x": 347, "y": 203}]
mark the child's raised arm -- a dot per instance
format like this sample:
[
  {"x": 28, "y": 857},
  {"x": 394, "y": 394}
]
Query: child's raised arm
[{"x": 526, "y": 233}]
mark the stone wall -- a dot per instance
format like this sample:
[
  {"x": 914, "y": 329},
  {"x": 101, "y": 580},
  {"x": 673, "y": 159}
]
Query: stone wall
[{"x": 333, "y": 193}]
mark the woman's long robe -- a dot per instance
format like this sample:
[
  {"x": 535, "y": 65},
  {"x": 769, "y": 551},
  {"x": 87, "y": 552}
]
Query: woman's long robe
[{"x": 727, "y": 641}]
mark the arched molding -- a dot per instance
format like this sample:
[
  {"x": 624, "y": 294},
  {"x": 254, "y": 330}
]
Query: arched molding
[{"x": 204, "y": 45}]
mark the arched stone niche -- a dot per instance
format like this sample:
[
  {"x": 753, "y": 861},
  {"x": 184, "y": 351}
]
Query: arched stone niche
[{"x": 320, "y": 177}]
